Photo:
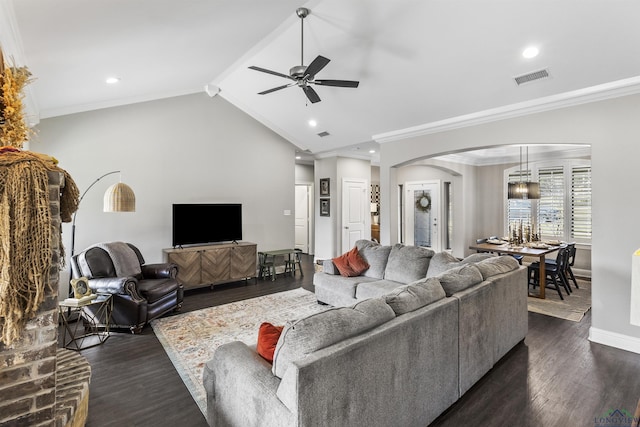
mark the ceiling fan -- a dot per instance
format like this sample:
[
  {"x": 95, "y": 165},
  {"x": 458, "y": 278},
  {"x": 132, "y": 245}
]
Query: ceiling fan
[{"x": 304, "y": 76}]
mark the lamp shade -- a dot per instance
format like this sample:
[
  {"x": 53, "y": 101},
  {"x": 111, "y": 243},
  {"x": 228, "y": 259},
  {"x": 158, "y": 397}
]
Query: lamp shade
[
  {"x": 119, "y": 198},
  {"x": 523, "y": 190},
  {"x": 533, "y": 190}
]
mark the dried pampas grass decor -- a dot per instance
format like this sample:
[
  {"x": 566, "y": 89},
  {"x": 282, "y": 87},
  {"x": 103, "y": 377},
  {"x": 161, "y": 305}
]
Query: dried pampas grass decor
[{"x": 14, "y": 131}]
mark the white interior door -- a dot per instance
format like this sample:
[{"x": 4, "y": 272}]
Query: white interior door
[
  {"x": 355, "y": 208},
  {"x": 302, "y": 217},
  {"x": 422, "y": 214}
]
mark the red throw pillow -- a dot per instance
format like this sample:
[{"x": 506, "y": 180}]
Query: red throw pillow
[
  {"x": 268, "y": 336},
  {"x": 351, "y": 263},
  {"x": 356, "y": 262}
]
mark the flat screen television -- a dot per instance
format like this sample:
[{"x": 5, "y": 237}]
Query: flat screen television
[{"x": 206, "y": 223}]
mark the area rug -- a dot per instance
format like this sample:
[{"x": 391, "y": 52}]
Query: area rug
[
  {"x": 191, "y": 338},
  {"x": 573, "y": 307}
]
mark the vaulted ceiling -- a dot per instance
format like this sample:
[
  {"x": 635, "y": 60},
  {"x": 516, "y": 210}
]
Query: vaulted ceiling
[{"x": 421, "y": 64}]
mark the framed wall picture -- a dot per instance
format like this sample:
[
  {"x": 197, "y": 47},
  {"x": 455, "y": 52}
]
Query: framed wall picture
[
  {"x": 325, "y": 207},
  {"x": 324, "y": 187}
]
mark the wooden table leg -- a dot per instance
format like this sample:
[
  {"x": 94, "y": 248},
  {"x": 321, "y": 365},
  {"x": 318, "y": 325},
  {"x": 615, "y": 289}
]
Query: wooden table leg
[{"x": 542, "y": 278}]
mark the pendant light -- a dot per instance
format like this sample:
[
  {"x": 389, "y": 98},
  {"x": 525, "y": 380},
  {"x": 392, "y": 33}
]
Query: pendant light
[{"x": 525, "y": 190}]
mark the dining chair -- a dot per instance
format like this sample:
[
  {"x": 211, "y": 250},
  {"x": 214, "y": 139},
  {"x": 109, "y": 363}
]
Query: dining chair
[
  {"x": 267, "y": 266},
  {"x": 571, "y": 258},
  {"x": 554, "y": 272}
]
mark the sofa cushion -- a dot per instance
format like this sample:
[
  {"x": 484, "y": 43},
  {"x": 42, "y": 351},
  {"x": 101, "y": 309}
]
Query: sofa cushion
[
  {"x": 351, "y": 263},
  {"x": 375, "y": 288},
  {"x": 497, "y": 265},
  {"x": 443, "y": 261},
  {"x": 375, "y": 255},
  {"x": 341, "y": 285},
  {"x": 460, "y": 278},
  {"x": 407, "y": 263},
  {"x": 413, "y": 296},
  {"x": 268, "y": 336},
  {"x": 317, "y": 331}
]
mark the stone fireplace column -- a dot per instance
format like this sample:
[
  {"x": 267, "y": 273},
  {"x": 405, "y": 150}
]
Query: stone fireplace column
[{"x": 40, "y": 384}]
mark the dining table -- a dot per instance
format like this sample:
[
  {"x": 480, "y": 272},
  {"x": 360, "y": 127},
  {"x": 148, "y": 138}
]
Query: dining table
[{"x": 539, "y": 251}]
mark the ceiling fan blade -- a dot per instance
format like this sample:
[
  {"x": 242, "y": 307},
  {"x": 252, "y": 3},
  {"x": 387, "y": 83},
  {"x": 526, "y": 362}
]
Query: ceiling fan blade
[
  {"x": 311, "y": 94},
  {"x": 275, "y": 73},
  {"x": 337, "y": 83},
  {"x": 316, "y": 65},
  {"x": 264, "y": 92}
]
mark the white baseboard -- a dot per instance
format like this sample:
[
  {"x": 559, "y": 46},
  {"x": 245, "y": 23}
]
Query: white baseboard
[
  {"x": 581, "y": 273},
  {"x": 613, "y": 339}
]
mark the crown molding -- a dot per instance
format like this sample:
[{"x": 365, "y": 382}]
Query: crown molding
[{"x": 601, "y": 92}]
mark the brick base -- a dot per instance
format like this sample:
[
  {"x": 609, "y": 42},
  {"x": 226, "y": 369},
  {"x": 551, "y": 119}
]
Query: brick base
[{"x": 72, "y": 388}]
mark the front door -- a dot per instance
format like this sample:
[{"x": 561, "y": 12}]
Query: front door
[
  {"x": 422, "y": 212},
  {"x": 355, "y": 208}
]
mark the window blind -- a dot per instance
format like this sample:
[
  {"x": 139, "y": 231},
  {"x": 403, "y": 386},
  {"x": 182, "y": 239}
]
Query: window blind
[
  {"x": 581, "y": 202},
  {"x": 551, "y": 204}
]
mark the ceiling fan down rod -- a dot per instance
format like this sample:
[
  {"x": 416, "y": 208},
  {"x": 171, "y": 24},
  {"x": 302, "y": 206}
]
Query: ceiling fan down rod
[{"x": 302, "y": 12}]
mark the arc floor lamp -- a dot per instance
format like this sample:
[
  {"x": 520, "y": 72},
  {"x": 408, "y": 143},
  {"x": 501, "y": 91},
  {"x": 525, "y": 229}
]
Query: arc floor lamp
[{"x": 118, "y": 198}]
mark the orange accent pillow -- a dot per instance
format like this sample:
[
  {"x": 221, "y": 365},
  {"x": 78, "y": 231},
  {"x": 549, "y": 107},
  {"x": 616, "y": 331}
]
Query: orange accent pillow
[
  {"x": 351, "y": 263},
  {"x": 268, "y": 336}
]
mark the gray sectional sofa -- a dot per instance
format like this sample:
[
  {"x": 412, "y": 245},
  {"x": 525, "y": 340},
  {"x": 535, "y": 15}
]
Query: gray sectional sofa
[{"x": 397, "y": 351}]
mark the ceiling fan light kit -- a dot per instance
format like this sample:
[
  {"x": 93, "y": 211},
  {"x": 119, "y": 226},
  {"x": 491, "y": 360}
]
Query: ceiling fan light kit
[{"x": 304, "y": 76}]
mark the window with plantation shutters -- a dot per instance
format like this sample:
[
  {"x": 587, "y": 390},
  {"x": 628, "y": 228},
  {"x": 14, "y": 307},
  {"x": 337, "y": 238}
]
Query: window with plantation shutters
[
  {"x": 551, "y": 203},
  {"x": 581, "y": 203},
  {"x": 563, "y": 211}
]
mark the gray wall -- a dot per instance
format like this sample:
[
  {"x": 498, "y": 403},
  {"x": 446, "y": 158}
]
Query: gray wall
[
  {"x": 186, "y": 149},
  {"x": 304, "y": 174},
  {"x": 612, "y": 129}
]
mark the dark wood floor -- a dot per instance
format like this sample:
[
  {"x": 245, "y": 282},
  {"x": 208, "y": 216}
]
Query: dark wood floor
[{"x": 556, "y": 377}]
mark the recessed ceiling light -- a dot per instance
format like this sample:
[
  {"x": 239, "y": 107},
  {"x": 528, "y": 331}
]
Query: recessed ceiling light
[
  {"x": 372, "y": 151},
  {"x": 112, "y": 80},
  {"x": 530, "y": 52},
  {"x": 298, "y": 157},
  {"x": 313, "y": 123}
]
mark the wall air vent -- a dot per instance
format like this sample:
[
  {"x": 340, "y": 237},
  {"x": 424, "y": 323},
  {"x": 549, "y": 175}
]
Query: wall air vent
[
  {"x": 323, "y": 134},
  {"x": 530, "y": 77}
]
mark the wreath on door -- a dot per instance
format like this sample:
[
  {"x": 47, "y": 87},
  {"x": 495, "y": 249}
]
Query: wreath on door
[{"x": 424, "y": 203}]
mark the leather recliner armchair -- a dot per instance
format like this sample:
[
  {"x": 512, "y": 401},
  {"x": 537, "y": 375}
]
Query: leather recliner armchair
[{"x": 141, "y": 292}]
